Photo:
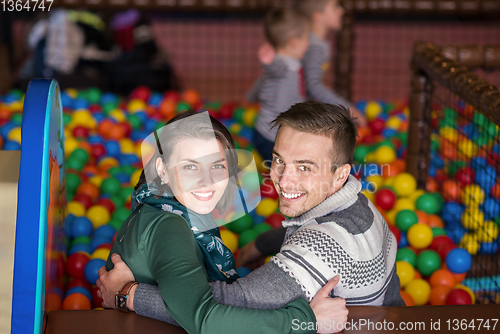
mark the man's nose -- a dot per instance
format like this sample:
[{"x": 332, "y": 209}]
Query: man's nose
[{"x": 287, "y": 177}]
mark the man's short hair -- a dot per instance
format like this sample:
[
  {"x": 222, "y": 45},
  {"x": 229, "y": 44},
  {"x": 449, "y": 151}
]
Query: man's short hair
[
  {"x": 332, "y": 121},
  {"x": 309, "y": 7},
  {"x": 283, "y": 24}
]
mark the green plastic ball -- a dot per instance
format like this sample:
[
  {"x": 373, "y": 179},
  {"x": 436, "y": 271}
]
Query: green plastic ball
[
  {"x": 66, "y": 119},
  {"x": 93, "y": 95},
  {"x": 134, "y": 121},
  {"x": 360, "y": 153},
  {"x": 116, "y": 224},
  {"x": 429, "y": 203},
  {"x": 407, "y": 255},
  {"x": 121, "y": 214},
  {"x": 238, "y": 115},
  {"x": 262, "y": 227},
  {"x": 73, "y": 163},
  {"x": 72, "y": 182},
  {"x": 81, "y": 240},
  {"x": 250, "y": 181},
  {"x": 108, "y": 106},
  {"x": 126, "y": 192},
  {"x": 182, "y": 106},
  {"x": 17, "y": 119},
  {"x": 80, "y": 154},
  {"x": 437, "y": 231},
  {"x": 110, "y": 186},
  {"x": 118, "y": 201},
  {"x": 428, "y": 262},
  {"x": 241, "y": 224},
  {"x": 405, "y": 219},
  {"x": 246, "y": 237}
]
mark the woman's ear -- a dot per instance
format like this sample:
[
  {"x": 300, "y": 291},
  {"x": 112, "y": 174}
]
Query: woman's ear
[{"x": 161, "y": 169}]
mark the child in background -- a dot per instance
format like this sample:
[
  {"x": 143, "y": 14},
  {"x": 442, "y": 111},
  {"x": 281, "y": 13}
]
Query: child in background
[
  {"x": 282, "y": 84},
  {"x": 324, "y": 16}
]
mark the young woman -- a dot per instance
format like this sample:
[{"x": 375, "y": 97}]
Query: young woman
[{"x": 171, "y": 240}]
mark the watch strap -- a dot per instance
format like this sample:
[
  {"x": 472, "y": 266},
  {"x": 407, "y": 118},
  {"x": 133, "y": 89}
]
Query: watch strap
[{"x": 122, "y": 296}]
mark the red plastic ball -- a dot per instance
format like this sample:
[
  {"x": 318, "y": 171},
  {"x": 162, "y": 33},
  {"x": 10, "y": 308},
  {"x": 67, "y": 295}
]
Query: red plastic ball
[
  {"x": 141, "y": 93},
  {"x": 80, "y": 132},
  {"x": 385, "y": 198},
  {"x": 226, "y": 111},
  {"x": 75, "y": 266},
  {"x": 443, "y": 251},
  {"x": 172, "y": 95},
  {"x": 108, "y": 204},
  {"x": 79, "y": 281},
  {"x": 465, "y": 176},
  {"x": 126, "y": 128},
  {"x": 458, "y": 297},
  {"x": 275, "y": 220},
  {"x": 440, "y": 241},
  {"x": 396, "y": 232},
  {"x": 377, "y": 126},
  {"x": 97, "y": 150},
  {"x": 96, "y": 301},
  {"x": 268, "y": 190},
  {"x": 84, "y": 199}
]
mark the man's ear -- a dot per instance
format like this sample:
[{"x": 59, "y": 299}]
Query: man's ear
[
  {"x": 161, "y": 169},
  {"x": 343, "y": 173}
]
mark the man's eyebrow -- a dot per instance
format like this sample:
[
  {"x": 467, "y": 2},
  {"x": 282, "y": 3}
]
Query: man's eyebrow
[
  {"x": 276, "y": 153},
  {"x": 309, "y": 162}
]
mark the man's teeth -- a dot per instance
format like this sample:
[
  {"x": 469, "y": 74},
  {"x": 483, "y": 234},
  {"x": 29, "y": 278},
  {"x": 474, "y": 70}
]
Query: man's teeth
[
  {"x": 204, "y": 194},
  {"x": 291, "y": 196}
]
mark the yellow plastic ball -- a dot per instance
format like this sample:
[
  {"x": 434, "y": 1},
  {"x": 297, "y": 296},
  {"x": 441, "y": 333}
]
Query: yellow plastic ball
[
  {"x": 419, "y": 236},
  {"x": 262, "y": 166},
  {"x": 76, "y": 209},
  {"x": 404, "y": 203},
  {"x": 394, "y": 122},
  {"x": 389, "y": 181},
  {"x": 376, "y": 180},
  {"x": 117, "y": 115},
  {"x": 470, "y": 243},
  {"x": 449, "y": 133},
  {"x": 267, "y": 207},
  {"x": 415, "y": 195},
  {"x": 71, "y": 92},
  {"x": 419, "y": 290},
  {"x": 385, "y": 155},
  {"x": 144, "y": 150},
  {"x": 472, "y": 218},
  {"x": 15, "y": 135},
  {"x": 391, "y": 216},
  {"x": 235, "y": 128},
  {"x": 134, "y": 178},
  {"x": 109, "y": 161},
  {"x": 70, "y": 144},
  {"x": 84, "y": 118},
  {"x": 405, "y": 271},
  {"x": 96, "y": 180},
  {"x": 472, "y": 195},
  {"x": 249, "y": 117},
  {"x": 98, "y": 215},
  {"x": 372, "y": 110},
  {"x": 136, "y": 105},
  {"x": 468, "y": 148},
  {"x": 267, "y": 259},
  {"x": 230, "y": 239},
  {"x": 371, "y": 157},
  {"x": 100, "y": 253},
  {"x": 127, "y": 146},
  {"x": 405, "y": 184},
  {"x": 488, "y": 232},
  {"x": 16, "y": 106}
]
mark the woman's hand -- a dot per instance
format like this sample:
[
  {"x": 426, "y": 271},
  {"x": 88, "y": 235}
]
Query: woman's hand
[
  {"x": 110, "y": 282},
  {"x": 331, "y": 313}
]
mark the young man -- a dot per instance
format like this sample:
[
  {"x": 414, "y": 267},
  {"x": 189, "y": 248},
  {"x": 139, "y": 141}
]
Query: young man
[{"x": 334, "y": 229}]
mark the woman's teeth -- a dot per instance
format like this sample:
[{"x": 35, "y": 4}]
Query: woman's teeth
[{"x": 204, "y": 194}]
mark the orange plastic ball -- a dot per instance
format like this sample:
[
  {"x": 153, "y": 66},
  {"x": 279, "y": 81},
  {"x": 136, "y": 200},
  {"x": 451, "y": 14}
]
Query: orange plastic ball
[
  {"x": 435, "y": 221},
  {"x": 431, "y": 185},
  {"x": 191, "y": 97},
  {"x": 438, "y": 295},
  {"x": 88, "y": 189},
  {"x": 442, "y": 277},
  {"x": 423, "y": 217},
  {"x": 76, "y": 301},
  {"x": 407, "y": 298},
  {"x": 452, "y": 191},
  {"x": 167, "y": 109}
]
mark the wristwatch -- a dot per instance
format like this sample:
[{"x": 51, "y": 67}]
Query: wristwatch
[{"x": 122, "y": 295}]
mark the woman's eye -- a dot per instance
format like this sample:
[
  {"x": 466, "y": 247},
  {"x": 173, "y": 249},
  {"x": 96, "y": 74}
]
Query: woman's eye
[
  {"x": 219, "y": 166},
  {"x": 190, "y": 167},
  {"x": 304, "y": 168}
]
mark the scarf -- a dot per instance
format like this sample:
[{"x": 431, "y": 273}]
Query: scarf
[{"x": 219, "y": 261}]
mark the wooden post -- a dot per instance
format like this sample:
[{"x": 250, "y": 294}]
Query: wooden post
[{"x": 344, "y": 47}]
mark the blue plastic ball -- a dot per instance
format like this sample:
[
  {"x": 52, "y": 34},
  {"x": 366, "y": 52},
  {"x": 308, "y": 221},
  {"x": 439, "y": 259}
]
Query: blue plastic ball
[
  {"x": 371, "y": 169},
  {"x": 455, "y": 232},
  {"x": 112, "y": 148},
  {"x": 81, "y": 290},
  {"x": 80, "y": 103},
  {"x": 80, "y": 248},
  {"x": 81, "y": 227},
  {"x": 92, "y": 268},
  {"x": 155, "y": 99},
  {"x": 108, "y": 97},
  {"x": 243, "y": 271},
  {"x": 67, "y": 101},
  {"x": 403, "y": 242},
  {"x": 388, "y": 133},
  {"x": 491, "y": 208},
  {"x": 94, "y": 139},
  {"x": 489, "y": 247},
  {"x": 106, "y": 231},
  {"x": 459, "y": 261},
  {"x": 99, "y": 240}
]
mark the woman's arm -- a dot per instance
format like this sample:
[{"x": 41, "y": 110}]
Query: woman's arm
[{"x": 170, "y": 248}]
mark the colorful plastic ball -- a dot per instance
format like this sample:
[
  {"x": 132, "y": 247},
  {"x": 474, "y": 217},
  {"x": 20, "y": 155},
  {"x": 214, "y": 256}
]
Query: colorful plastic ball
[
  {"x": 472, "y": 218},
  {"x": 241, "y": 224},
  {"x": 98, "y": 215},
  {"x": 405, "y": 184},
  {"x": 262, "y": 227},
  {"x": 76, "y": 301},
  {"x": 249, "y": 117},
  {"x": 468, "y": 290},
  {"x": 428, "y": 262},
  {"x": 407, "y": 255},
  {"x": 472, "y": 195},
  {"x": 396, "y": 232},
  {"x": 243, "y": 271},
  {"x": 458, "y": 297},
  {"x": 405, "y": 271},
  {"x": 470, "y": 243},
  {"x": 96, "y": 242},
  {"x": 429, "y": 203},
  {"x": 489, "y": 247},
  {"x": 405, "y": 219},
  {"x": 458, "y": 261},
  {"x": 110, "y": 186},
  {"x": 88, "y": 189},
  {"x": 275, "y": 220},
  {"x": 419, "y": 236},
  {"x": 419, "y": 290},
  {"x": 79, "y": 289},
  {"x": 267, "y": 207},
  {"x": 403, "y": 242},
  {"x": 100, "y": 253},
  {"x": 442, "y": 277},
  {"x": 92, "y": 268},
  {"x": 404, "y": 204},
  {"x": 81, "y": 226},
  {"x": 246, "y": 237},
  {"x": 372, "y": 110},
  {"x": 84, "y": 199},
  {"x": 230, "y": 239},
  {"x": 407, "y": 298},
  {"x": 385, "y": 198},
  {"x": 75, "y": 264},
  {"x": 385, "y": 155},
  {"x": 250, "y": 181},
  {"x": 84, "y": 248},
  {"x": 439, "y": 294},
  {"x": 268, "y": 190},
  {"x": 106, "y": 231}
]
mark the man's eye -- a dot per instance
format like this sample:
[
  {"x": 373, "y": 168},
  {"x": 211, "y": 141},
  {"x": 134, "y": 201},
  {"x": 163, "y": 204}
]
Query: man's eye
[
  {"x": 304, "y": 168},
  {"x": 279, "y": 161}
]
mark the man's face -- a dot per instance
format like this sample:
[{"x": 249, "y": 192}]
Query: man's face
[{"x": 301, "y": 170}]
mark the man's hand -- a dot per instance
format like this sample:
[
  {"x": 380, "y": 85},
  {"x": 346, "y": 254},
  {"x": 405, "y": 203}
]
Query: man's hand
[
  {"x": 266, "y": 54},
  {"x": 331, "y": 313},
  {"x": 110, "y": 282},
  {"x": 248, "y": 255}
]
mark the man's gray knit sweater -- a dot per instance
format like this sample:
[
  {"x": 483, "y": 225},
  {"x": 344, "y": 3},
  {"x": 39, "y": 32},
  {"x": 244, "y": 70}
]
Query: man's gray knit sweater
[{"x": 343, "y": 235}]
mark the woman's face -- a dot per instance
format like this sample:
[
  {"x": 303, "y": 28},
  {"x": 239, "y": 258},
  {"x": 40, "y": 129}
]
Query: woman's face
[{"x": 197, "y": 173}]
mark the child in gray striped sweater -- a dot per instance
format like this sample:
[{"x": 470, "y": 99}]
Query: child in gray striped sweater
[
  {"x": 282, "y": 83},
  {"x": 324, "y": 16}
]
